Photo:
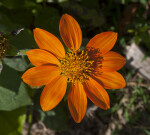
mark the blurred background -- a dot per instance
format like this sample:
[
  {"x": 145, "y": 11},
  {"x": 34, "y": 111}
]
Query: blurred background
[{"x": 20, "y": 111}]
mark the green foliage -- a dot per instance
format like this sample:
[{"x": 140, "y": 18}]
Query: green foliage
[
  {"x": 19, "y": 63},
  {"x": 48, "y": 18},
  {"x": 12, "y": 50},
  {"x": 56, "y": 119},
  {"x": 17, "y": 4},
  {"x": 23, "y": 40},
  {"x": 147, "y": 132},
  {"x": 85, "y": 12},
  {"x": 14, "y": 93},
  {"x": 12, "y": 121},
  {"x": 6, "y": 25}
]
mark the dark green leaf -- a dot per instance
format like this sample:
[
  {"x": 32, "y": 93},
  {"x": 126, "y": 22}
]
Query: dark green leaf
[
  {"x": 17, "y": 4},
  {"x": 6, "y": 25},
  {"x": 56, "y": 119},
  {"x": 91, "y": 4},
  {"x": 22, "y": 17},
  {"x": 12, "y": 50},
  {"x": 23, "y": 40},
  {"x": 48, "y": 18},
  {"x": 90, "y": 16}
]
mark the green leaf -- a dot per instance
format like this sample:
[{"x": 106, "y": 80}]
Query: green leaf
[
  {"x": 91, "y": 4},
  {"x": 23, "y": 40},
  {"x": 48, "y": 18},
  {"x": 12, "y": 3},
  {"x": 56, "y": 119},
  {"x": 14, "y": 93},
  {"x": 145, "y": 38},
  {"x": 89, "y": 17},
  {"x": 19, "y": 63},
  {"x": 6, "y": 25},
  {"x": 144, "y": 28},
  {"x": 23, "y": 51},
  {"x": 144, "y": 2},
  {"x": 17, "y": 4},
  {"x": 131, "y": 30},
  {"x": 12, "y": 121},
  {"x": 22, "y": 17},
  {"x": 147, "y": 132},
  {"x": 12, "y": 50},
  {"x": 137, "y": 40}
]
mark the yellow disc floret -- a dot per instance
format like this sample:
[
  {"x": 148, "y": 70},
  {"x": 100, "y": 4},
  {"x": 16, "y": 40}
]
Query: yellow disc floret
[{"x": 77, "y": 65}]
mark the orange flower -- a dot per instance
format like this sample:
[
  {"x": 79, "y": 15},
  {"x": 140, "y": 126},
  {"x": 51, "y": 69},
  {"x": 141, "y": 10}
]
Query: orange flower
[{"x": 89, "y": 71}]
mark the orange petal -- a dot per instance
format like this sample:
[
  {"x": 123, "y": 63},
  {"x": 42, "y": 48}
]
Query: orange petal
[
  {"x": 103, "y": 41},
  {"x": 96, "y": 93},
  {"x": 70, "y": 32},
  {"x": 40, "y": 57},
  {"x": 53, "y": 93},
  {"x": 49, "y": 42},
  {"x": 112, "y": 80},
  {"x": 77, "y": 101},
  {"x": 112, "y": 61},
  {"x": 38, "y": 76}
]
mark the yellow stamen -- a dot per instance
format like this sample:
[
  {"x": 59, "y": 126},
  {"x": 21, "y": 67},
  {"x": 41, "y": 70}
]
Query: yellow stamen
[{"x": 79, "y": 65}]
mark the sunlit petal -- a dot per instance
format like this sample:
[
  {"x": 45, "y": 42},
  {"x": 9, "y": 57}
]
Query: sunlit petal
[
  {"x": 96, "y": 93},
  {"x": 38, "y": 76},
  {"x": 103, "y": 41},
  {"x": 112, "y": 80},
  {"x": 77, "y": 101},
  {"x": 70, "y": 32},
  {"x": 49, "y": 42},
  {"x": 53, "y": 93},
  {"x": 40, "y": 57},
  {"x": 112, "y": 61}
]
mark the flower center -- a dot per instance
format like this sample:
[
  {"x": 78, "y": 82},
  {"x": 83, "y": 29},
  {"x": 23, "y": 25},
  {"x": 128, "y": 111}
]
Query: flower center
[
  {"x": 79, "y": 65},
  {"x": 3, "y": 46}
]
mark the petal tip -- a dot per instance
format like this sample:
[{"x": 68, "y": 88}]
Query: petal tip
[
  {"x": 77, "y": 121},
  {"x": 22, "y": 77},
  {"x": 108, "y": 107},
  {"x": 124, "y": 85},
  {"x": 63, "y": 17},
  {"x": 35, "y": 29},
  {"x": 116, "y": 34},
  {"x": 123, "y": 82},
  {"x": 44, "y": 108},
  {"x": 65, "y": 14},
  {"x": 124, "y": 60}
]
